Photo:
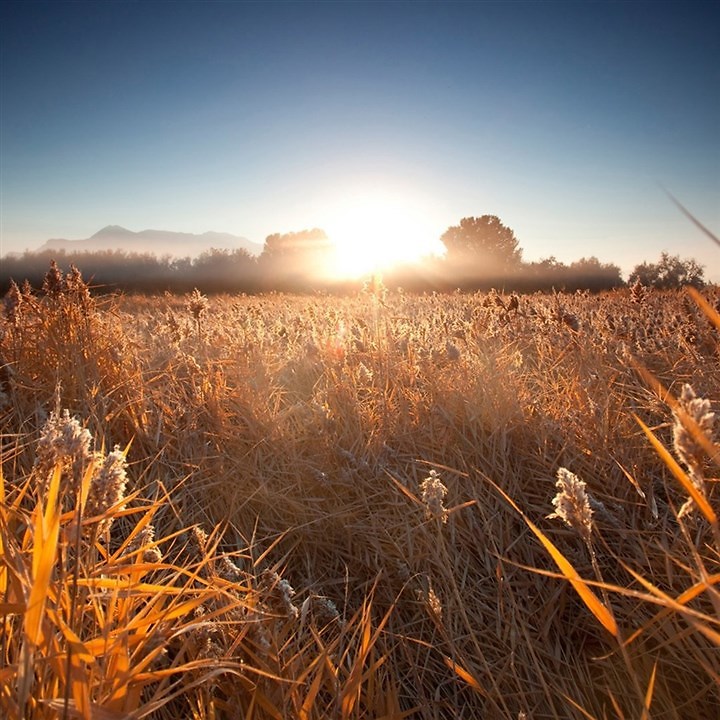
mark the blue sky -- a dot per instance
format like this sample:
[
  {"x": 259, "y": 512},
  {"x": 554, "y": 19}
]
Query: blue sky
[{"x": 565, "y": 119}]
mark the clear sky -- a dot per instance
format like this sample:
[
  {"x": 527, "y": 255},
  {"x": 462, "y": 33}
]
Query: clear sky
[{"x": 565, "y": 119}]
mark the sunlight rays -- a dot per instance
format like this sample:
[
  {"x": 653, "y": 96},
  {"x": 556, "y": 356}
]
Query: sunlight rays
[{"x": 374, "y": 231}]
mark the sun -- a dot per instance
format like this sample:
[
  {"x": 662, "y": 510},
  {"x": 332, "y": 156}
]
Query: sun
[{"x": 375, "y": 231}]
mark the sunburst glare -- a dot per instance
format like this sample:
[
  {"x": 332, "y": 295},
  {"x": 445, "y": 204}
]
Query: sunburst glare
[{"x": 374, "y": 231}]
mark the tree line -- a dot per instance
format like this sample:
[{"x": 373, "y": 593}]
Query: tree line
[{"x": 481, "y": 253}]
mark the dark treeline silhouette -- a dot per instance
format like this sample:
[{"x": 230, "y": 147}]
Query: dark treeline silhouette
[
  {"x": 545, "y": 275},
  {"x": 110, "y": 270},
  {"x": 668, "y": 272},
  {"x": 482, "y": 253},
  {"x": 220, "y": 271}
]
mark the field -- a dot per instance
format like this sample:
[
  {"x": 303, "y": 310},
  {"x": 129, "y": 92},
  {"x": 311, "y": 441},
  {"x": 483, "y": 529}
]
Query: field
[{"x": 320, "y": 507}]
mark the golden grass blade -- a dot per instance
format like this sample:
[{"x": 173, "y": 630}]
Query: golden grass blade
[
  {"x": 145, "y": 519},
  {"x": 688, "y": 422},
  {"x": 632, "y": 480},
  {"x": 679, "y": 474},
  {"x": 580, "y": 709},
  {"x": 86, "y": 482},
  {"x": 77, "y": 646},
  {"x": 712, "y": 314},
  {"x": 405, "y": 491},
  {"x": 616, "y": 706},
  {"x": 696, "y": 589},
  {"x": 309, "y": 702},
  {"x": 104, "y": 583},
  {"x": 118, "y": 670},
  {"x": 351, "y": 692},
  {"x": 593, "y": 603},
  {"x": 47, "y": 530},
  {"x": 462, "y": 506},
  {"x": 79, "y": 684},
  {"x": 183, "y": 608},
  {"x": 12, "y": 608},
  {"x": 266, "y": 704},
  {"x": 591, "y": 600},
  {"x": 464, "y": 675},
  {"x": 366, "y": 636},
  {"x": 97, "y": 712},
  {"x": 52, "y": 512},
  {"x": 701, "y": 623},
  {"x": 3, "y": 524},
  {"x": 655, "y": 385},
  {"x": 649, "y": 695},
  {"x": 683, "y": 599}
]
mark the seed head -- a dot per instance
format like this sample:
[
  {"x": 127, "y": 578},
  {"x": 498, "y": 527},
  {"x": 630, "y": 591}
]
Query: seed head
[
  {"x": 197, "y": 304},
  {"x": 54, "y": 282},
  {"x": 108, "y": 487},
  {"x": 638, "y": 292},
  {"x": 433, "y": 493},
  {"x": 75, "y": 284},
  {"x": 64, "y": 440},
  {"x": 687, "y": 448},
  {"x": 572, "y": 504},
  {"x": 452, "y": 351},
  {"x": 228, "y": 570},
  {"x": 145, "y": 541},
  {"x": 434, "y": 603},
  {"x": 12, "y": 303},
  {"x": 278, "y": 594},
  {"x": 324, "y": 611}
]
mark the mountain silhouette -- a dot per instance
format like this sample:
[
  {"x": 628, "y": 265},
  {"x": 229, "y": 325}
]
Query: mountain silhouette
[{"x": 157, "y": 242}]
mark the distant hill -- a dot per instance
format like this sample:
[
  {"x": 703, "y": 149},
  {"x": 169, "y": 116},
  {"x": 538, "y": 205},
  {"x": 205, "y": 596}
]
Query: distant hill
[{"x": 157, "y": 242}]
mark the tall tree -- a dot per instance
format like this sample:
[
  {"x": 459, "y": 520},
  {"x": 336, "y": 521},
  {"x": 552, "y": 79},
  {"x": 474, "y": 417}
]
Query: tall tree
[
  {"x": 295, "y": 245},
  {"x": 669, "y": 272},
  {"x": 295, "y": 260},
  {"x": 483, "y": 242}
]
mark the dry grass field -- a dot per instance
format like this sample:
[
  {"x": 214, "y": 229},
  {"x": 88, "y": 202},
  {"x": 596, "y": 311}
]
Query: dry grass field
[{"x": 381, "y": 506}]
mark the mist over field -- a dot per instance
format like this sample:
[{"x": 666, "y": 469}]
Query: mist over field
[
  {"x": 359, "y": 361},
  {"x": 377, "y": 505}
]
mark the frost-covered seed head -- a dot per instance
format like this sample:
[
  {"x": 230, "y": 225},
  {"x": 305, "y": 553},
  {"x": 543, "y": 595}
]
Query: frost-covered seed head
[
  {"x": 107, "y": 489},
  {"x": 452, "y": 351},
  {"x": 63, "y": 440},
  {"x": 145, "y": 540},
  {"x": 228, "y": 570},
  {"x": 197, "y": 304},
  {"x": 278, "y": 593},
  {"x": 433, "y": 494},
  {"x": 686, "y": 446},
  {"x": 324, "y": 611},
  {"x": 434, "y": 603},
  {"x": 54, "y": 282},
  {"x": 572, "y": 504},
  {"x": 12, "y": 302}
]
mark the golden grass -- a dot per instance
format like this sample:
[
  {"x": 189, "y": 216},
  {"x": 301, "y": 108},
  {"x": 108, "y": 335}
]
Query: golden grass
[{"x": 278, "y": 551}]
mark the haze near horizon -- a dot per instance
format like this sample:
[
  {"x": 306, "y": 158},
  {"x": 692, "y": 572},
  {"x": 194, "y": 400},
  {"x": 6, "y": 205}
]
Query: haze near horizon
[{"x": 382, "y": 123}]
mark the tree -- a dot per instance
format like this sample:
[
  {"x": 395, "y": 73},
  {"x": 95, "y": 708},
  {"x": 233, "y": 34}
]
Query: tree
[
  {"x": 669, "y": 272},
  {"x": 483, "y": 241},
  {"x": 591, "y": 274},
  {"x": 291, "y": 260},
  {"x": 221, "y": 270},
  {"x": 295, "y": 245}
]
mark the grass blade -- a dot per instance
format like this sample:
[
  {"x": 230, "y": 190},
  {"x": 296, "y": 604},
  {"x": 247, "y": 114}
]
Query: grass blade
[
  {"x": 463, "y": 674},
  {"x": 47, "y": 529},
  {"x": 591, "y": 600},
  {"x": 649, "y": 695},
  {"x": 680, "y": 475}
]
